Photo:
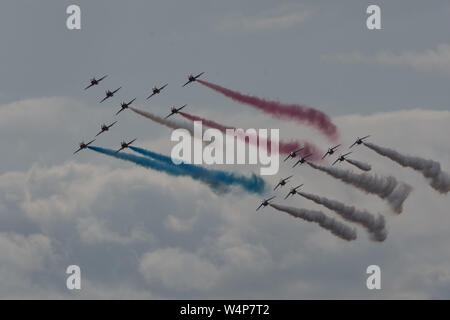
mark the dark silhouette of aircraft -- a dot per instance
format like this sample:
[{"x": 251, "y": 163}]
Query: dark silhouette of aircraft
[
  {"x": 191, "y": 78},
  {"x": 359, "y": 141},
  {"x": 302, "y": 160},
  {"x": 341, "y": 158},
  {"x": 282, "y": 182},
  {"x": 156, "y": 90},
  {"x": 174, "y": 110},
  {"x": 292, "y": 191},
  {"x": 95, "y": 82},
  {"x": 83, "y": 146},
  {"x": 125, "y": 145},
  {"x": 105, "y": 128},
  {"x": 293, "y": 154},
  {"x": 330, "y": 151},
  {"x": 124, "y": 106},
  {"x": 110, "y": 94},
  {"x": 265, "y": 203}
]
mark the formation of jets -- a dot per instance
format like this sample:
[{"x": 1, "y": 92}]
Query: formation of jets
[
  {"x": 125, "y": 105},
  {"x": 302, "y": 159},
  {"x": 174, "y": 110}
]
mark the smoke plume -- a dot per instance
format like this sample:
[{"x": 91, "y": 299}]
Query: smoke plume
[
  {"x": 430, "y": 169},
  {"x": 218, "y": 181},
  {"x": 376, "y": 226},
  {"x": 360, "y": 165},
  {"x": 252, "y": 184},
  {"x": 299, "y": 113},
  {"x": 172, "y": 124},
  {"x": 335, "y": 227},
  {"x": 284, "y": 146},
  {"x": 387, "y": 188}
]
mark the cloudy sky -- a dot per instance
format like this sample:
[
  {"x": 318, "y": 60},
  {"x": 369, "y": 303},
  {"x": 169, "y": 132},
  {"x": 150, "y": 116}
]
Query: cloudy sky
[{"x": 136, "y": 233}]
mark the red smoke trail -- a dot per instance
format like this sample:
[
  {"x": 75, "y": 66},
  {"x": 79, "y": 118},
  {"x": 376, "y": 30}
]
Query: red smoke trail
[
  {"x": 284, "y": 147},
  {"x": 301, "y": 114}
]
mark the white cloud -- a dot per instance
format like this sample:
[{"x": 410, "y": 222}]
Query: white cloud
[
  {"x": 24, "y": 253},
  {"x": 93, "y": 230},
  {"x": 284, "y": 17},
  {"x": 178, "y": 270},
  {"x": 429, "y": 60}
]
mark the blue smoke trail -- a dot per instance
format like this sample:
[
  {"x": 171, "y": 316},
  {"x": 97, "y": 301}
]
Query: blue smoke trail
[
  {"x": 253, "y": 184},
  {"x": 211, "y": 180}
]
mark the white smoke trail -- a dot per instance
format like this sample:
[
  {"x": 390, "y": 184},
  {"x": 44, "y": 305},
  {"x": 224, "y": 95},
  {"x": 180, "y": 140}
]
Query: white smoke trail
[
  {"x": 173, "y": 124},
  {"x": 387, "y": 188},
  {"x": 376, "y": 226},
  {"x": 337, "y": 228},
  {"x": 430, "y": 169},
  {"x": 360, "y": 165}
]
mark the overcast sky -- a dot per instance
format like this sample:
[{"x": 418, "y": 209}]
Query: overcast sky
[{"x": 136, "y": 233}]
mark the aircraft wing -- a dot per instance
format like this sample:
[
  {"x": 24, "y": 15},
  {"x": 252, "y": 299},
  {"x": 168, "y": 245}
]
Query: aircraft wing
[
  {"x": 352, "y": 145},
  {"x": 78, "y": 150},
  {"x": 307, "y": 156},
  {"x": 102, "y": 78},
  {"x": 286, "y": 179},
  {"x": 104, "y": 99},
  {"x": 181, "y": 107},
  {"x": 90, "y": 142},
  {"x": 276, "y": 186},
  {"x": 163, "y": 87},
  {"x": 296, "y": 163},
  {"x": 259, "y": 207},
  {"x": 120, "y": 111},
  {"x": 120, "y": 149},
  {"x": 99, "y": 133},
  {"x": 150, "y": 96},
  {"x": 131, "y": 141},
  {"x": 198, "y": 75},
  {"x": 336, "y": 146},
  {"x": 187, "y": 83},
  {"x": 287, "y": 196},
  {"x": 365, "y": 137},
  {"x": 346, "y": 154},
  {"x": 89, "y": 86},
  {"x": 116, "y": 90},
  {"x": 335, "y": 161},
  {"x": 287, "y": 157},
  {"x": 131, "y": 101},
  {"x": 298, "y": 186},
  {"x": 325, "y": 155},
  {"x": 112, "y": 124},
  {"x": 270, "y": 198},
  {"x": 169, "y": 115},
  {"x": 299, "y": 150}
]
